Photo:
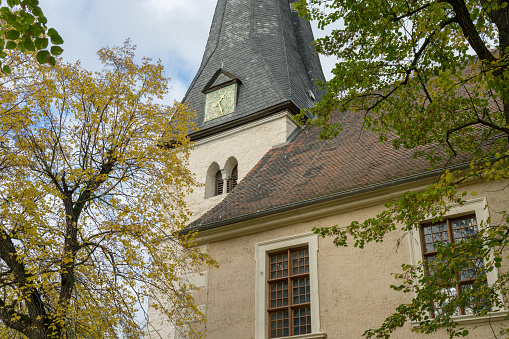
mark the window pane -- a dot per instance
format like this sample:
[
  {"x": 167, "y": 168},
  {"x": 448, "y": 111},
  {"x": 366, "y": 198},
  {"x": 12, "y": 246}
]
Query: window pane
[
  {"x": 468, "y": 288},
  {"x": 279, "y": 266},
  {"x": 456, "y": 233},
  {"x": 300, "y": 261},
  {"x": 440, "y": 305},
  {"x": 465, "y": 228},
  {"x": 300, "y": 290},
  {"x": 434, "y": 234},
  {"x": 279, "y": 324},
  {"x": 278, "y": 294},
  {"x": 431, "y": 264},
  {"x": 302, "y": 320},
  {"x": 473, "y": 270}
]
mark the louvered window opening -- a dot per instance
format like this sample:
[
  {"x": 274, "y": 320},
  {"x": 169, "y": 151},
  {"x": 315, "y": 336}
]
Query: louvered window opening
[
  {"x": 453, "y": 230},
  {"x": 289, "y": 293},
  {"x": 232, "y": 182},
  {"x": 219, "y": 184}
]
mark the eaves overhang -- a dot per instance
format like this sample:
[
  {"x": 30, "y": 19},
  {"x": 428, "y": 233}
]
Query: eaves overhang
[{"x": 375, "y": 194}]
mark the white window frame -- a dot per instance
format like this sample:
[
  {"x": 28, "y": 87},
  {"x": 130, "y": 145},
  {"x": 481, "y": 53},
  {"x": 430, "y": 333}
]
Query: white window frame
[
  {"x": 479, "y": 207},
  {"x": 262, "y": 252}
]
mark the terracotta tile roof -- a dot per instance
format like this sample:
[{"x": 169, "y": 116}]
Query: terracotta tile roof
[{"x": 308, "y": 168}]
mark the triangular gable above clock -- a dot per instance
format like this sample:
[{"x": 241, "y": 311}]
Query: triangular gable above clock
[{"x": 220, "y": 79}]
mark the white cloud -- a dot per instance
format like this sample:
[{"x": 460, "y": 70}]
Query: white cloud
[{"x": 174, "y": 31}]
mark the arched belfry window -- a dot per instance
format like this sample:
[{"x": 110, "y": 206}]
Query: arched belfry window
[
  {"x": 218, "y": 183},
  {"x": 232, "y": 171},
  {"x": 213, "y": 174},
  {"x": 221, "y": 180},
  {"x": 232, "y": 182}
]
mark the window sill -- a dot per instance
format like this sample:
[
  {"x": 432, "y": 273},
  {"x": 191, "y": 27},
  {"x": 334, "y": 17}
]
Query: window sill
[
  {"x": 473, "y": 319},
  {"x": 317, "y": 335}
]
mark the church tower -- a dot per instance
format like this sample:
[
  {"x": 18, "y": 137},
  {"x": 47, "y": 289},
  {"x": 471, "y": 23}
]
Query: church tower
[{"x": 259, "y": 68}]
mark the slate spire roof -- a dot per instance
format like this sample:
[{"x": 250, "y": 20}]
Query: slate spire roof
[{"x": 268, "y": 48}]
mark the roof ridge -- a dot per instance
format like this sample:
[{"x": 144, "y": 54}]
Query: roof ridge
[
  {"x": 284, "y": 48},
  {"x": 203, "y": 61}
]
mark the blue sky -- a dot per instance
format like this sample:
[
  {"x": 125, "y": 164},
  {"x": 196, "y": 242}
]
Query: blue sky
[{"x": 174, "y": 31}]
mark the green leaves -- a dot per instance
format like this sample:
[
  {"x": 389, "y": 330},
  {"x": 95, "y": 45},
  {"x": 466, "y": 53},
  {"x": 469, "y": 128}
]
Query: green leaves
[
  {"x": 55, "y": 37},
  {"x": 10, "y": 45},
  {"x": 12, "y": 34},
  {"x": 123, "y": 244},
  {"x": 56, "y": 50},
  {"x": 29, "y": 45},
  {"x": 42, "y": 57},
  {"x": 41, "y": 43},
  {"x": 13, "y": 3},
  {"x": 432, "y": 77},
  {"x": 23, "y": 26}
]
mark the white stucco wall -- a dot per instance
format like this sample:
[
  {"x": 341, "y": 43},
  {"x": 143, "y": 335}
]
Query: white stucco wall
[
  {"x": 248, "y": 144},
  {"x": 354, "y": 291}
]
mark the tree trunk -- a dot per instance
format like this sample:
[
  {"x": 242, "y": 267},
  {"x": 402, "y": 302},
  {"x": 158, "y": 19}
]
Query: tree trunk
[{"x": 500, "y": 18}]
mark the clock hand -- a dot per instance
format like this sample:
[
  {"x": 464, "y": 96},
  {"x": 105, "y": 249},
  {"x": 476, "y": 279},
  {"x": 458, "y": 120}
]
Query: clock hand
[{"x": 219, "y": 103}]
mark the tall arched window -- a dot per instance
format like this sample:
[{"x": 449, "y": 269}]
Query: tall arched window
[
  {"x": 232, "y": 182},
  {"x": 211, "y": 181},
  {"x": 231, "y": 168},
  {"x": 219, "y": 183}
]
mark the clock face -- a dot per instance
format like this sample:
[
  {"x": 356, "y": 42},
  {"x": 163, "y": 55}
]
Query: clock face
[{"x": 220, "y": 102}]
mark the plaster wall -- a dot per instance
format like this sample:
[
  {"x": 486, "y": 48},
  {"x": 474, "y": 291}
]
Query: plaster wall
[
  {"x": 159, "y": 326},
  {"x": 354, "y": 284},
  {"x": 248, "y": 144}
]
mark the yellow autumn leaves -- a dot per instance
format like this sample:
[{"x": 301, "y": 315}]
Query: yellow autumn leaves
[{"x": 89, "y": 192}]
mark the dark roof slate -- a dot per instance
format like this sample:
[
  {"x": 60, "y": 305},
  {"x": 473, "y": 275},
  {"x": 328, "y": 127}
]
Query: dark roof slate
[
  {"x": 308, "y": 168},
  {"x": 268, "y": 47}
]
